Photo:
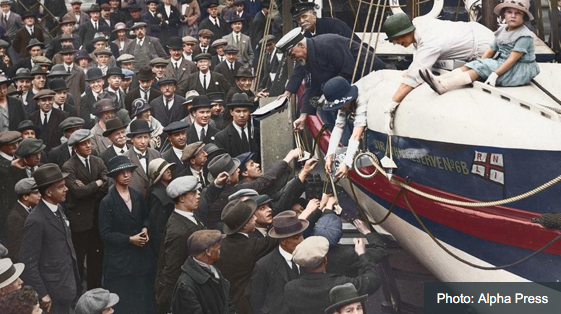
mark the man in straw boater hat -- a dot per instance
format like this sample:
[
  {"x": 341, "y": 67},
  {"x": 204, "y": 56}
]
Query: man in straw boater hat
[
  {"x": 201, "y": 286},
  {"x": 345, "y": 299},
  {"x": 10, "y": 274},
  {"x": 47, "y": 241},
  {"x": 274, "y": 270},
  {"x": 87, "y": 185},
  {"x": 189, "y": 215},
  {"x": 310, "y": 292},
  {"x": 461, "y": 41},
  {"x": 239, "y": 251}
]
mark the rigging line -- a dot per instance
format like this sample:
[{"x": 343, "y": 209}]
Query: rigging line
[
  {"x": 356, "y": 22},
  {"x": 361, "y": 41},
  {"x": 380, "y": 23},
  {"x": 370, "y": 39},
  {"x": 262, "y": 48}
]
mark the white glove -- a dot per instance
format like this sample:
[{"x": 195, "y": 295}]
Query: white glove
[
  {"x": 492, "y": 79},
  {"x": 389, "y": 116}
]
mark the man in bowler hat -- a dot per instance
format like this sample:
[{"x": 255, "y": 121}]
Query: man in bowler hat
[{"x": 47, "y": 249}]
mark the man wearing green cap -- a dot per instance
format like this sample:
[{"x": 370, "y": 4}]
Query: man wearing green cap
[{"x": 461, "y": 41}]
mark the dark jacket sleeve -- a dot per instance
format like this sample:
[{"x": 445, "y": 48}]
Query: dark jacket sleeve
[
  {"x": 210, "y": 194},
  {"x": 106, "y": 226},
  {"x": 185, "y": 300},
  {"x": 258, "y": 286},
  {"x": 288, "y": 195},
  {"x": 30, "y": 254},
  {"x": 376, "y": 249},
  {"x": 262, "y": 183},
  {"x": 369, "y": 281}
]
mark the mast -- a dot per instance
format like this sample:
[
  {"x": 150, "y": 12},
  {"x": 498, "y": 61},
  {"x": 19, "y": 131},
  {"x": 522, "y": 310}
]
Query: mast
[{"x": 489, "y": 18}]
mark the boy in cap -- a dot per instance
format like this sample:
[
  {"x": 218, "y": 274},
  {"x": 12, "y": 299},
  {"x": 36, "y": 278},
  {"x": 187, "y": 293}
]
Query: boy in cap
[
  {"x": 158, "y": 66},
  {"x": 211, "y": 294},
  {"x": 60, "y": 154},
  {"x": 230, "y": 66},
  {"x": 30, "y": 150},
  {"x": 178, "y": 67},
  {"x": 28, "y": 197},
  {"x": 218, "y": 46},
  {"x": 177, "y": 138},
  {"x": 274, "y": 72},
  {"x": 240, "y": 40},
  {"x": 239, "y": 252},
  {"x": 274, "y": 270},
  {"x": 190, "y": 215},
  {"x": 87, "y": 185},
  {"x": 213, "y": 22},
  {"x": 48, "y": 118},
  {"x": 205, "y": 37},
  {"x": 201, "y": 129},
  {"x": 97, "y": 301},
  {"x": 188, "y": 43},
  {"x": 310, "y": 292},
  {"x": 195, "y": 158},
  {"x": 47, "y": 241}
]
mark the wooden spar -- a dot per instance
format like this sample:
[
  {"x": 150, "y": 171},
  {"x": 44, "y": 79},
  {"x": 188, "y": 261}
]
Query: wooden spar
[
  {"x": 553, "y": 21},
  {"x": 489, "y": 18},
  {"x": 539, "y": 18}
]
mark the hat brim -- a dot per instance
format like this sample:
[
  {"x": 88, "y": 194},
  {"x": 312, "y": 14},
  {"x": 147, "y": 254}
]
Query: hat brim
[
  {"x": 30, "y": 127},
  {"x": 230, "y": 171},
  {"x": 40, "y": 149},
  {"x": 403, "y": 32},
  {"x": 113, "y": 299},
  {"x": 113, "y": 173},
  {"x": 340, "y": 103},
  {"x": 133, "y": 134},
  {"x": 19, "y": 269},
  {"x": 170, "y": 165},
  {"x": 6, "y": 82},
  {"x": 503, "y": 5},
  {"x": 53, "y": 74},
  {"x": 108, "y": 132},
  {"x": 230, "y": 231},
  {"x": 36, "y": 186},
  {"x": 95, "y": 78},
  {"x": 275, "y": 235},
  {"x": 244, "y": 104},
  {"x": 337, "y": 305}
]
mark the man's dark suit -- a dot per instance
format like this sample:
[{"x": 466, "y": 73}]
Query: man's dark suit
[
  {"x": 14, "y": 230},
  {"x": 229, "y": 139},
  {"x": 50, "y": 262},
  {"x": 219, "y": 31},
  {"x": 59, "y": 155},
  {"x": 82, "y": 205},
  {"x": 198, "y": 50},
  {"x": 135, "y": 93},
  {"x": 139, "y": 179},
  {"x": 270, "y": 275},
  {"x": 257, "y": 30},
  {"x": 272, "y": 64},
  {"x": 69, "y": 109},
  {"x": 215, "y": 61},
  {"x": 238, "y": 255},
  {"x": 11, "y": 176},
  {"x": 23, "y": 63},
  {"x": 186, "y": 67},
  {"x": 310, "y": 293},
  {"x": 54, "y": 47},
  {"x": 217, "y": 83},
  {"x": 170, "y": 156},
  {"x": 22, "y": 38},
  {"x": 193, "y": 137},
  {"x": 165, "y": 115},
  {"x": 110, "y": 153},
  {"x": 87, "y": 31},
  {"x": 118, "y": 100},
  {"x": 50, "y": 134},
  {"x": 87, "y": 106},
  {"x": 17, "y": 113},
  {"x": 224, "y": 69},
  {"x": 76, "y": 83}
]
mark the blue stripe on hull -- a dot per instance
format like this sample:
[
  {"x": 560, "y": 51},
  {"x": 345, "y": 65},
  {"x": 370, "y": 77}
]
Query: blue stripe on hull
[{"x": 541, "y": 268}]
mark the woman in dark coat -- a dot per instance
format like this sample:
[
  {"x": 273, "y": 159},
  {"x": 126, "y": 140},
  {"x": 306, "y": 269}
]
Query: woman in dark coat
[{"x": 128, "y": 265}]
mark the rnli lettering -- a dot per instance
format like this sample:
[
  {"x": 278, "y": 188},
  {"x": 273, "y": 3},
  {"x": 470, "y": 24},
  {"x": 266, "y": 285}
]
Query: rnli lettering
[{"x": 437, "y": 162}]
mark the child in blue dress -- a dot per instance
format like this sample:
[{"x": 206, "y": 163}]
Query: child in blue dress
[{"x": 509, "y": 61}]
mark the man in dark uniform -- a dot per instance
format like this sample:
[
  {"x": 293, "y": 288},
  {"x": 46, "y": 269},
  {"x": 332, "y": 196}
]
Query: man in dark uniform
[
  {"x": 47, "y": 241},
  {"x": 323, "y": 57},
  {"x": 60, "y": 154},
  {"x": 177, "y": 137},
  {"x": 87, "y": 185}
]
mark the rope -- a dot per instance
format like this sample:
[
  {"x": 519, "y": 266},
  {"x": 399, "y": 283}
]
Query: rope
[
  {"x": 362, "y": 41},
  {"x": 262, "y": 49},
  {"x": 524, "y": 259},
  {"x": 331, "y": 9},
  {"x": 370, "y": 39},
  {"x": 377, "y": 37},
  {"x": 356, "y": 20}
]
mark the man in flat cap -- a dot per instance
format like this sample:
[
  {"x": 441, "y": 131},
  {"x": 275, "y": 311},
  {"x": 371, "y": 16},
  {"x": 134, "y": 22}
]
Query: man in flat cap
[
  {"x": 178, "y": 67},
  {"x": 310, "y": 292},
  {"x": 239, "y": 252},
  {"x": 177, "y": 138},
  {"x": 30, "y": 150},
  {"x": 240, "y": 40},
  {"x": 47, "y": 241},
  {"x": 144, "y": 48},
  {"x": 213, "y": 22},
  {"x": 95, "y": 24},
  {"x": 97, "y": 300},
  {"x": 104, "y": 111},
  {"x": 168, "y": 107},
  {"x": 189, "y": 43},
  {"x": 230, "y": 66},
  {"x": 190, "y": 215},
  {"x": 87, "y": 185},
  {"x": 28, "y": 197},
  {"x": 48, "y": 118},
  {"x": 218, "y": 46},
  {"x": 158, "y": 66},
  {"x": 195, "y": 157},
  {"x": 201, "y": 286},
  {"x": 204, "y": 43},
  {"x": 204, "y": 81},
  {"x": 272, "y": 272},
  {"x": 60, "y": 154},
  {"x": 201, "y": 129}
]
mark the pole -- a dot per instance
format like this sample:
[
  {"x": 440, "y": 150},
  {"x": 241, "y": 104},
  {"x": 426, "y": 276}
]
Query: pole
[
  {"x": 554, "y": 22},
  {"x": 489, "y": 18}
]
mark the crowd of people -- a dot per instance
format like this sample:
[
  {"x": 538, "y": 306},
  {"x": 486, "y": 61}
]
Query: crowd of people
[{"x": 130, "y": 164}]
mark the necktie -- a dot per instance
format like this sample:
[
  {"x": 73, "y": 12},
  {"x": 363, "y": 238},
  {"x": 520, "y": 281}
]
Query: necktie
[
  {"x": 144, "y": 94},
  {"x": 201, "y": 178},
  {"x": 122, "y": 151},
  {"x": 232, "y": 69},
  {"x": 216, "y": 22},
  {"x": 58, "y": 214},
  {"x": 295, "y": 271},
  {"x": 46, "y": 119},
  {"x": 245, "y": 143},
  {"x": 204, "y": 81},
  {"x": 5, "y": 19},
  {"x": 68, "y": 69},
  {"x": 31, "y": 31},
  {"x": 95, "y": 25},
  {"x": 237, "y": 39},
  {"x": 203, "y": 135},
  {"x": 167, "y": 103},
  {"x": 88, "y": 165},
  {"x": 204, "y": 49}
]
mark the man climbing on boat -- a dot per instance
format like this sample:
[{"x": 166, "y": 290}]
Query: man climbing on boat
[{"x": 433, "y": 40}]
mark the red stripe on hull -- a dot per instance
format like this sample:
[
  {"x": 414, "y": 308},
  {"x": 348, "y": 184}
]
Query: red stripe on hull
[{"x": 499, "y": 224}]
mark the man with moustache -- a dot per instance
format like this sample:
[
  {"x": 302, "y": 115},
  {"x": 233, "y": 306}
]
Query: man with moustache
[
  {"x": 87, "y": 185},
  {"x": 116, "y": 134},
  {"x": 47, "y": 241},
  {"x": 169, "y": 107}
]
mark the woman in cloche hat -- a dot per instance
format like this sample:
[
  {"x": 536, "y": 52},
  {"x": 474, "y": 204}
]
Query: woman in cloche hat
[
  {"x": 516, "y": 62},
  {"x": 128, "y": 262}
]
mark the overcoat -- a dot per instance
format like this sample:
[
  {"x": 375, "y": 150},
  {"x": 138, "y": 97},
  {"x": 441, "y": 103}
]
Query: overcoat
[
  {"x": 210, "y": 135},
  {"x": 217, "y": 83},
  {"x": 140, "y": 181},
  {"x": 14, "y": 230},
  {"x": 165, "y": 115},
  {"x": 52, "y": 137}
]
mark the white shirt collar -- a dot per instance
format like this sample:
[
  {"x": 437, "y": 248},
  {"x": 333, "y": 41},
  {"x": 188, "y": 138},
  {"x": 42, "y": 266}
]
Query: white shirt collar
[
  {"x": 188, "y": 215},
  {"x": 93, "y": 23},
  {"x": 118, "y": 150},
  {"x": 48, "y": 115},
  {"x": 287, "y": 257},
  {"x": 245, "y": 234},
  {"x": 112, "y": 90},
  {"x": 178, "y": 152},
  {"x": 26, "y": 208},
  {"x": 262, "y": 230},
  {"x": 10, "y": 158},
  {"x": 239, "y": 129},
  {"x": 195, "y": 172},
  {"x": 7, "y": 14},
  {"x": 59, "y": 107},
  {"x": 198, "y": 128},
  {"x": 83, "y": 159},
  {"x": 138, "y": 152},
  {"x": 207, "y": 266},
  {"x": 52, "y": 207},
  {"x": 173, "y": 61},
  {"x": 94, "y": 93}
]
